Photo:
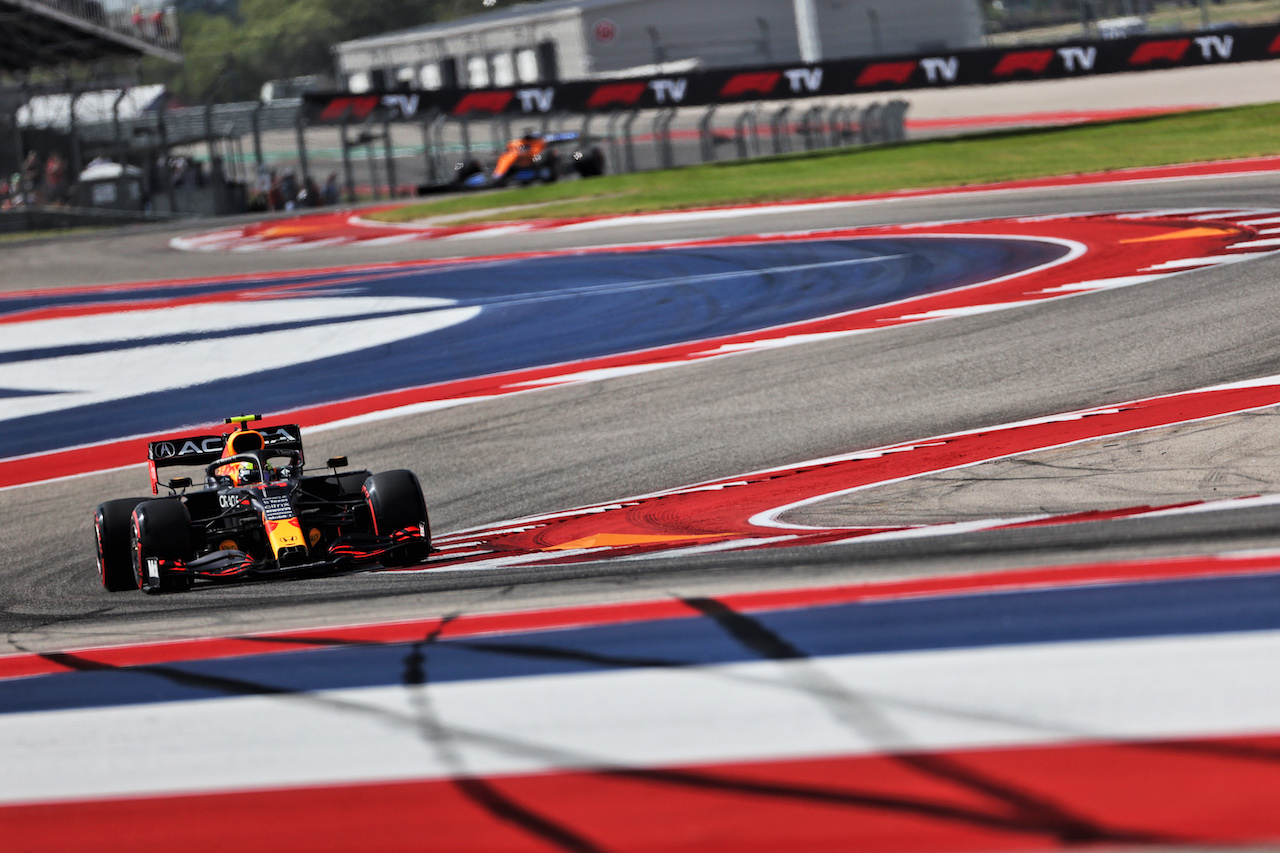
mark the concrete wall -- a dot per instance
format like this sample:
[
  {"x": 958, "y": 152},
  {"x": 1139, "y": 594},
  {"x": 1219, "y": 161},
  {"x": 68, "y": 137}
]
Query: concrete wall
[
  {"x": 720, "y": 33},
  {"x": 501, "y": 49},
  {"x": 858, "y": 28}
]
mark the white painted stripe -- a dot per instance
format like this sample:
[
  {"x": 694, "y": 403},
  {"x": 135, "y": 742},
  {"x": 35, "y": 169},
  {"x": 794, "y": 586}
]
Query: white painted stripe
[
  {"x": 776, "y": 343},
  {"x": 970, "y": 310},
  {"x": 1235, "y": 214},
  {"x": 257, "y": 245},
  {"x": 1211, "y": 261},
  {"x": 599, "y": 374},
  {"x": 731, "y": 545},
  {"x": 308, "y": 245},
  {"x": 1166, "y": 212},
  {"x": 393, "y": 239},
  {"x": 1102, "y": 284},
  {"x": 144, "y": 361},
  {"x": 1011, "y": 696},
  {"x": 1251, "y": 502},
  {"x": 198, "y": 241},
  {"x": 484, "y": 233},
  {"x": 1256, "y": 244}
]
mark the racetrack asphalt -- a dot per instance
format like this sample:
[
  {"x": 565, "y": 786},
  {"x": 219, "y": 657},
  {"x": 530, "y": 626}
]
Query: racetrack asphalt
[{"x": 605, "y": 440}]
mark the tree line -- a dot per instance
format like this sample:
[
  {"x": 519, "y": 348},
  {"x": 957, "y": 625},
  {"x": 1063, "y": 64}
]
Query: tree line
[{"x": 231, "y": 49}]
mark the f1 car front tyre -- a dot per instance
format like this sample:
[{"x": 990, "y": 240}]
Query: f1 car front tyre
[
  {"x": 395, "y": 502},
  {"x": 161, "y": 531},
  {"x": 112, "y": 523}
]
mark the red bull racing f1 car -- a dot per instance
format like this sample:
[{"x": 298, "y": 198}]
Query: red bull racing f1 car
[{"x": 258, "y": 514}]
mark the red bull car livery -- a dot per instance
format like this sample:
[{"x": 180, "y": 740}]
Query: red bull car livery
[{"x": 259, "y": 513}]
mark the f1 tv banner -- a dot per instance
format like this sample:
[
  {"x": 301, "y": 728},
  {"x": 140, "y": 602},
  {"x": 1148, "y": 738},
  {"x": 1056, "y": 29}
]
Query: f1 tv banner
[{"x": 984, "y": 66}]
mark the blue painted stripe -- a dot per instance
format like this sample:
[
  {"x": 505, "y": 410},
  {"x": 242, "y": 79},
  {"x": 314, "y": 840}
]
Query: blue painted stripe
[
  {"x": 1197, "y": 606},
  {"x": 533, "y": 312}
]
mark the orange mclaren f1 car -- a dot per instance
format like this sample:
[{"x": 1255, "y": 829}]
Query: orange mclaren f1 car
[
  {"x": 529, "y": 158},
  {"x": 259, "y": 514}
]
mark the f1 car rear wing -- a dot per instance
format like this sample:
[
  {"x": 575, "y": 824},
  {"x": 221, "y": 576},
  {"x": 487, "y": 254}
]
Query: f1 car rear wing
[{"x": 206, "y": 449}]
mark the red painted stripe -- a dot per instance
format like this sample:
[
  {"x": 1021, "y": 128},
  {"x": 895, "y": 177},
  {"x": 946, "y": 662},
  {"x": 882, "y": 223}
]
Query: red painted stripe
[
  {"x": 22, "y": 665},
  {"x": 1209, "y": 791}
]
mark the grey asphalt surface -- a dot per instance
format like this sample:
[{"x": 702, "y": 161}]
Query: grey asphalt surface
[{"x": 564, "y": 447}]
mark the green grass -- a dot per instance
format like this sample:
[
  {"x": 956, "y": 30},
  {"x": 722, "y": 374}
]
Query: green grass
[
  {"x": 961, "y": 161},
  {"x": 23, "y": 236}
]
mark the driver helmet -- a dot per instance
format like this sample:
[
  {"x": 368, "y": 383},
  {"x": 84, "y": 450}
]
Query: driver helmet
[{"x": 242, "y": 441}]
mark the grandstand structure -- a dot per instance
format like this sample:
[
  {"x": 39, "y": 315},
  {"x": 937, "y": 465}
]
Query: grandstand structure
[
  {"x": 58, "y": 52},
  {"x": 37, "y": 34}
]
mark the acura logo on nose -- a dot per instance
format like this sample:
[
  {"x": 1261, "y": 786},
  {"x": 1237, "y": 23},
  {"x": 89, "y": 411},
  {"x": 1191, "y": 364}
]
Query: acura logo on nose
[{"x": 166, "y": 450}]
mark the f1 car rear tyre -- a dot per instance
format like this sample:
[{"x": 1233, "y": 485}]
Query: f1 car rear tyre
[
  {"x": 395, "y": 502},
  {"x": 161, "y": 530},
  {"x": 112, "y": 524},
  {"x": 590, "y": 164}
]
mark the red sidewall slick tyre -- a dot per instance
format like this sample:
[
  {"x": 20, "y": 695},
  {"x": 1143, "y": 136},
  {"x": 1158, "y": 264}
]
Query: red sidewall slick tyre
[
  {"x": 161, "y": 529},
  {"x": 113, "y": 528}
]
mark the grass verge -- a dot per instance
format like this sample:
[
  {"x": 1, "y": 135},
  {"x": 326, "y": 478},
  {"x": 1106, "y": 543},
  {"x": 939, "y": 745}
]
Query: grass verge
[{"x": 1224, "y": 134}]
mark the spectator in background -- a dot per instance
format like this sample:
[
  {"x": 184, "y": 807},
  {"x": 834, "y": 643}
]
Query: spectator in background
[
  {"x": 158, "y": 30},
  {"x": 32, "y": 178},
  {"x": 275, "y": 194},
  {"x": 15, "y": 198},
  {"x": 55, "y": 179},
  {"x": 289, "y": 188},
  {"x": 309, "y": 196},
  {"x": 330, "y": 194}
]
